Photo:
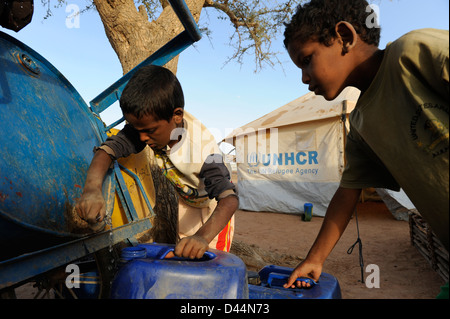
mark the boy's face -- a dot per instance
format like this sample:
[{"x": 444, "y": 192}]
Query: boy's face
[
  {"x": 324, "y": 68},
  {"x": 156, "y": 133}
]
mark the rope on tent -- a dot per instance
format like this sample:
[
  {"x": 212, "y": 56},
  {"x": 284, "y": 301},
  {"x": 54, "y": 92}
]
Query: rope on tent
[{"x": 358, "y": 242}]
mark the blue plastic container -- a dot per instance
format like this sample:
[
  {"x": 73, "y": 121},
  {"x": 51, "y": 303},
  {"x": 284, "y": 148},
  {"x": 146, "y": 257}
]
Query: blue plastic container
[
  {"x": 308, "y": 212},
  {"x": 272, "y": 287},
  {"x": 217, "y": 275}
]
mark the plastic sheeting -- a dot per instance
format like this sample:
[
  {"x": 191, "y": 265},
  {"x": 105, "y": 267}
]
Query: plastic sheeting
[{"x": 293, "y": 155}]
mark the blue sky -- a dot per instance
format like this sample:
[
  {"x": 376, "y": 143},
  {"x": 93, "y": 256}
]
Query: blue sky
[{"x": 223, "y": 97}]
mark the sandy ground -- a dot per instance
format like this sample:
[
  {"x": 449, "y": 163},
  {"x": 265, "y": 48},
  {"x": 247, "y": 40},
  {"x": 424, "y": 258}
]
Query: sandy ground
[{"x": 404, "y": 273}]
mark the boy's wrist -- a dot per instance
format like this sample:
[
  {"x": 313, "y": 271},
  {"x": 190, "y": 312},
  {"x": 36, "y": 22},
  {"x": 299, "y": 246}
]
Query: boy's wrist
[
  {"x": 317, "y": 255},
  {"x": 315, "y": 259},
  {"x": 92, "y": 187}
]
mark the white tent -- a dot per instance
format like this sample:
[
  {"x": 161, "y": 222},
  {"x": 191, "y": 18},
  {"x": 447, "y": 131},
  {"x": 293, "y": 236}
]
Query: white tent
[{"x": 293, "y": 155}]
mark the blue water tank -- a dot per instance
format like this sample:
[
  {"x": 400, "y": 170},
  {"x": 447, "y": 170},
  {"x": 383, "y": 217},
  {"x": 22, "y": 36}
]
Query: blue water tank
[
  {"x": 150, "y": 276},
  {"x": 46, "y": 143},
  {"x": 326, "y": 288}
]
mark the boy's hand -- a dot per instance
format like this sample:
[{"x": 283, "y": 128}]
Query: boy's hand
[
  {"x": 91, "y": 207},
  {"x": 191, "y": 247},
  {"x": 304, "y": 269}
]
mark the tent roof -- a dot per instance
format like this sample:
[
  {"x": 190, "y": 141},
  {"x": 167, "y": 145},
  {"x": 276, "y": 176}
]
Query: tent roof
[{"x": 308, "y": 107}]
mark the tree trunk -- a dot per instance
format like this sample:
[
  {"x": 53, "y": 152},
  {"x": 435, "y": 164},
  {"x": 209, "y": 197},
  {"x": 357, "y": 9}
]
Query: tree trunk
[{"x": 133, "y": 37}]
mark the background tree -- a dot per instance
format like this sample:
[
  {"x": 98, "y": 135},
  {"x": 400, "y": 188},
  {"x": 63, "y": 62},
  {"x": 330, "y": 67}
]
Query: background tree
[{"x": 137, "y": 28}]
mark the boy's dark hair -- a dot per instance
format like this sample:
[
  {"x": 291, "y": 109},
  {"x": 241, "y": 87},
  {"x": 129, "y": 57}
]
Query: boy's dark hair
[
  {"x": 152, "y": 90},
  {"x": 317, "y": 20}
]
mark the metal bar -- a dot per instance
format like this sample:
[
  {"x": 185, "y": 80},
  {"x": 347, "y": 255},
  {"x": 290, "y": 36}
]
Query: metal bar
[
  {"x": 162, "y": 56},
  {"x": 123, "y": 201},
  {"x": 13, "y": 271},
  {"x": 114, "y": 124},
  {"x": 122, "y": 188}
]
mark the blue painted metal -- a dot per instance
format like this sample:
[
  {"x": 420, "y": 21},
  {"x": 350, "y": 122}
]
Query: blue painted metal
[
  {"x": 124, "y": 195},
  {"x": 46, "y": 141},
  {"x": 186, "y": 18},
  {"x": 141, "y": 188}
]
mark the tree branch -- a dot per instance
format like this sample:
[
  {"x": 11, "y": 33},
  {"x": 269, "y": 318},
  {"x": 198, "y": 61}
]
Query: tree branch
[
  {"x": 255, "y": 26},
  {"x": 225, "y": 8}
]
